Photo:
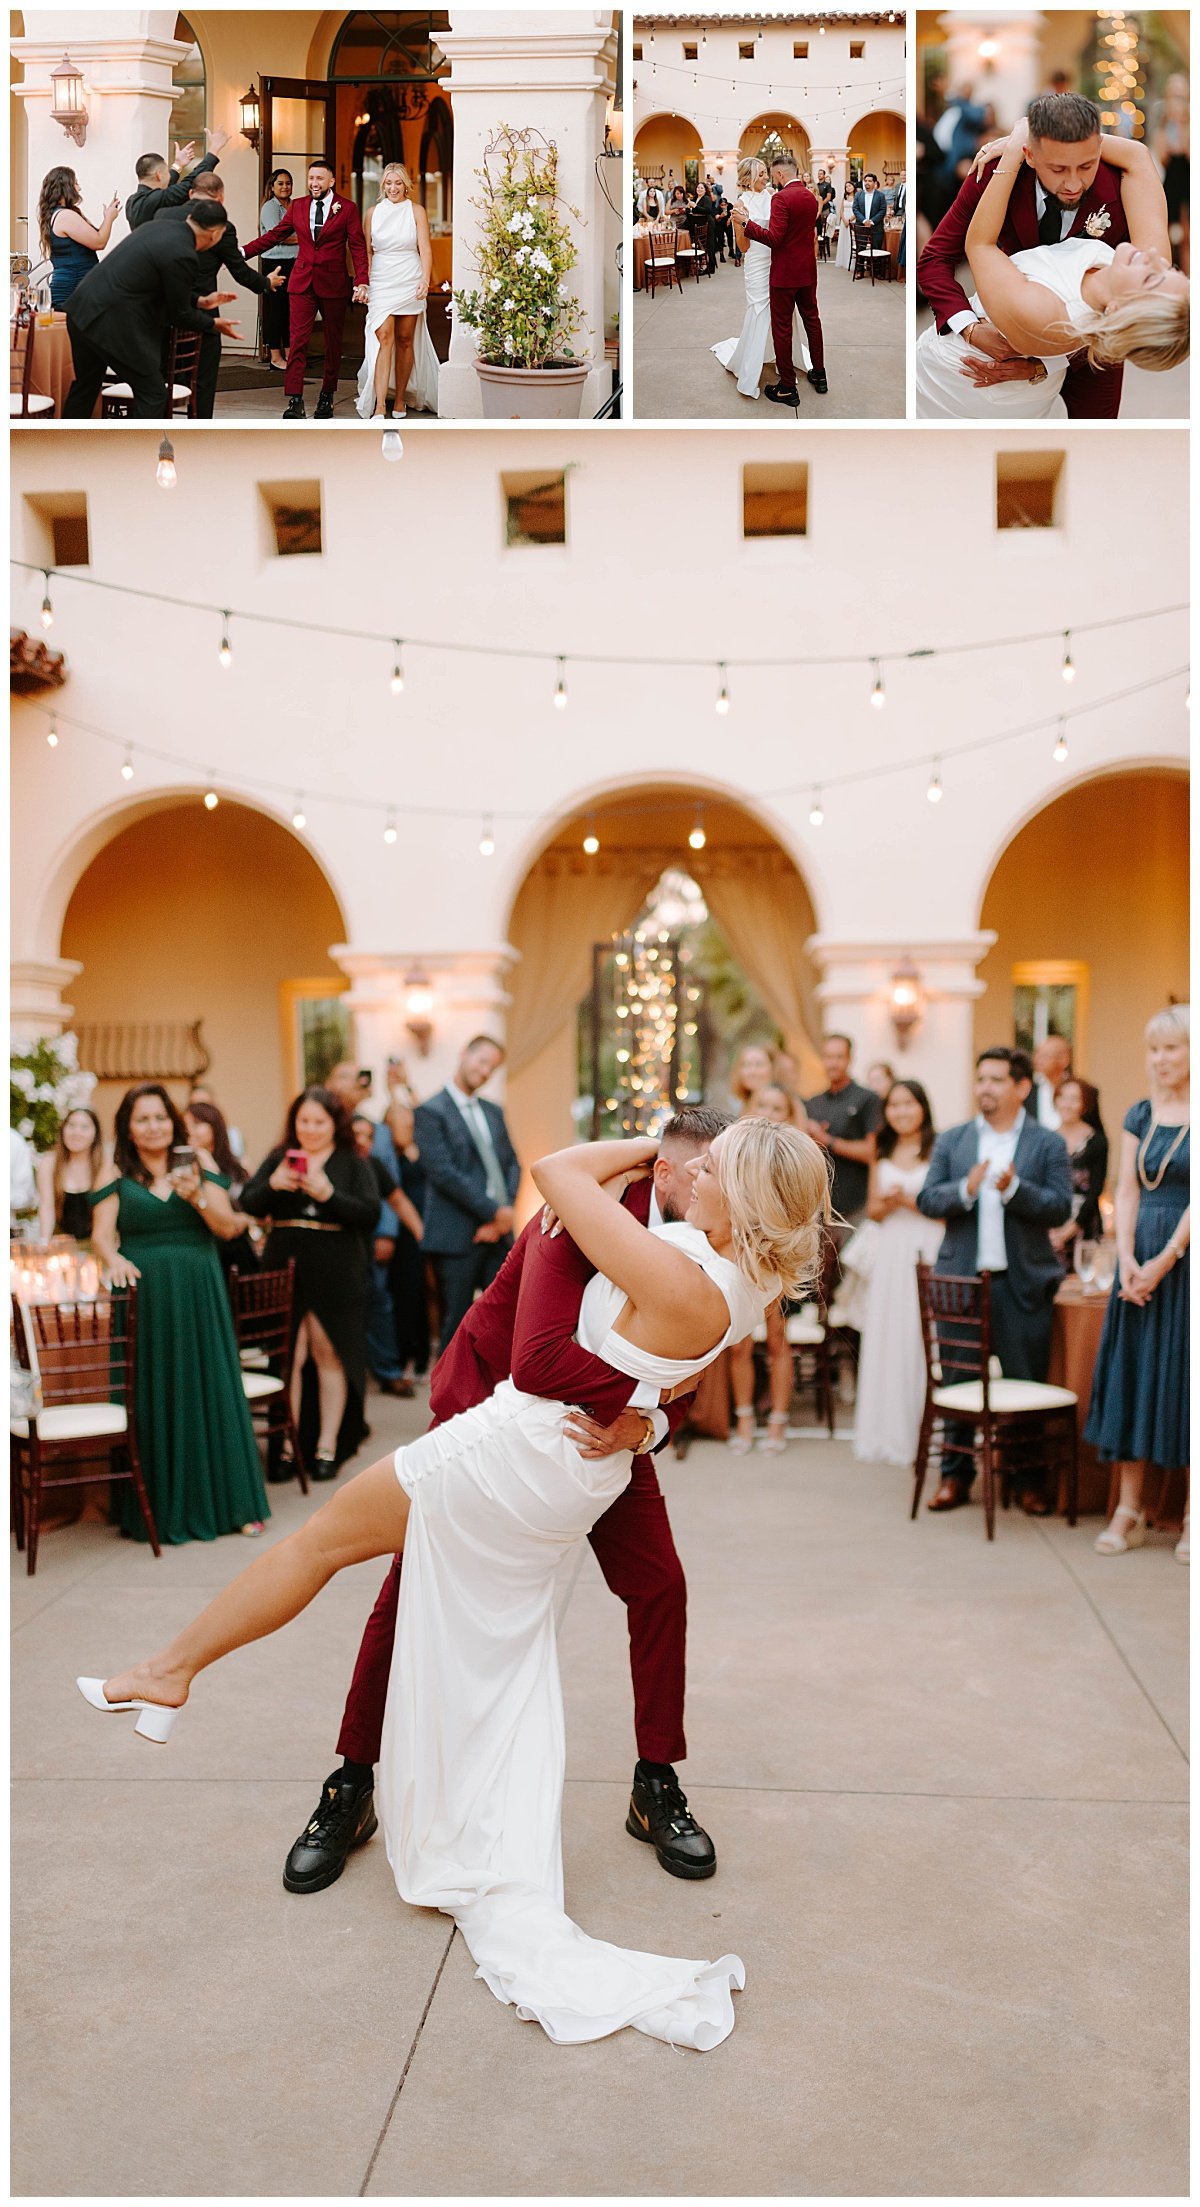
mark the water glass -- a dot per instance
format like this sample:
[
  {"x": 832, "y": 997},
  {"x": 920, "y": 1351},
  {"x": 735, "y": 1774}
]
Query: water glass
[{"x": 1085, "y": 1262}]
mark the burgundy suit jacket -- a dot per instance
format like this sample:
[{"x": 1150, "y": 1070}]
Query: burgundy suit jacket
[
  {"x": 521, "y": 1329},
  {"x": 939, "y": 261},
  {"x": 792, "y": 237},
  {"x": 320, "y": 268}
]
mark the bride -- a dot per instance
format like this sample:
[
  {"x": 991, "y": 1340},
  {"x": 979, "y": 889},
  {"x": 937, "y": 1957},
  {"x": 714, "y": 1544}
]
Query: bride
[
  {"x": 746, "y": 356},
  {"x": 486, "y": 1508},
  {"x": 397, "y": 234},
  {"x": 1116, "y": 304}
]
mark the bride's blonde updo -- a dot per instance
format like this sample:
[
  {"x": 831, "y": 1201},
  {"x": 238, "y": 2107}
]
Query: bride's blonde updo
[
  {"x": 1148, "y": 331},
  {"x": 776, "y": 1183}
]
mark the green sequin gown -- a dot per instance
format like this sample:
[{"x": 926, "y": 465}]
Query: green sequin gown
[{"x": 199, "y": 1455}]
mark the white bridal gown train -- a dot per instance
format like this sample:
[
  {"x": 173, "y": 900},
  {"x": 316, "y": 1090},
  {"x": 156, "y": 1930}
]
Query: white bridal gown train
[
  {"x": 471, "y": 1772},
  {"x": 746, "y": 355},
  {"x": 943, "y": 389},
  {"x": 395, "y": 275}
]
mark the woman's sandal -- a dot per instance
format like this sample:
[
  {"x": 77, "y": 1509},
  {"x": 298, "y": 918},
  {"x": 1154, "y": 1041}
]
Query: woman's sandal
[
  {"x": 777, "y": 1433},
  {"x": 739, "y": 1443},
  {"x": 1183, "y": 1546},
  {"x": 1111, "y": 1542}
]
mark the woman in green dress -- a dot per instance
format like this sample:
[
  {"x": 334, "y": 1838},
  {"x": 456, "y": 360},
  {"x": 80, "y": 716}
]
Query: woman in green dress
[{"x": 159, "y": 1225}]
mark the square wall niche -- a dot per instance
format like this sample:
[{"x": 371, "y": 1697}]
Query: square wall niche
[
  {"x": 535, "y": 505},
  {"x": 56, "y": 532},
  {"x": 1029, "y": 489},
  {"x": 292, "y": 525},
  {"x": 775, "y": 498}
]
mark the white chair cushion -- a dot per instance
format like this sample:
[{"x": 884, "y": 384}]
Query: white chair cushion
[
  {"x": 125, "y": 390},
  {"x": 73, "y": 1421},
  {"x": 804, "y": 1330},
  {"x": 37, "y": 403},
  {"x": 1005, "y": 1395},
  {"x": 254, "y": 1358},
  {"x": 257, "y": 1384}
]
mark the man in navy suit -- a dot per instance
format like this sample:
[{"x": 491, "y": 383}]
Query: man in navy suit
[
  {"x": 870, "y": 205},
  {"x": 1000, "y": 1182},
  {"x": 472, "y": 1175}
]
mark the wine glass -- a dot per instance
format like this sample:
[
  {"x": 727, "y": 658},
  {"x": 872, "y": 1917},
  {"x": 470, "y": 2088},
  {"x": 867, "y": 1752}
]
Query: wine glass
[
  {"x": 1106, "y": 1266},
  {"x": 1085, "y": 1262}
]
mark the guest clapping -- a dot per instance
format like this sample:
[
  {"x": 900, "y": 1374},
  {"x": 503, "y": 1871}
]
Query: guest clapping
[
  {"x": 220, "y": 260},
  {"x": 1077, "y": 1105},
  {"x": 70, "y": 242},
  {"x": 322, "y": 1202},
  {"x": 158, "y": 1223},
  {"x": 891, "y": 1360},
  {"x": 120, "y": 315},
  {"x": 68, "y": 1175},
  {"x": 1139, "y": 1412}
]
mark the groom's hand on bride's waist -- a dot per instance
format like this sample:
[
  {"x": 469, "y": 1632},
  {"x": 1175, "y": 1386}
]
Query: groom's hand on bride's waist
[
  {"x": 984, "y": 337},
  {"x": 595, "y": 1441},
  {"x": 983, "y": 373}
]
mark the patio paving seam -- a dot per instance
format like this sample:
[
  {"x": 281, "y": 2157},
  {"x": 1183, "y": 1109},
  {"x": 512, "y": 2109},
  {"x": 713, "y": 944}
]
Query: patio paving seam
[
  {"x": 834, "y": 1793},
  {"x": 1112, "y": 1639},
  {"x": 395, "y": 2099}
]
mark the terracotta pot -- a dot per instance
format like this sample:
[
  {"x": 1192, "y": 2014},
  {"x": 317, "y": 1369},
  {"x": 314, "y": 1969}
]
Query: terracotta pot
[{"x": 539, "y": 394}]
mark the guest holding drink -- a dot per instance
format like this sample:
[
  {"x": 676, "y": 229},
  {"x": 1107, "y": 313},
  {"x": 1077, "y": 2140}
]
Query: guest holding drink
[
  {"x": 158, "y": 1223},
  {"x": 68, "y": 1175},
  {"x": 276, "y": 314},
  {"x": 891, "y": 1358},
  {"x": 70, "y": 242},
  {"x": 1140, "y": 1401},
  {"x": 1078, "y": 1106}
]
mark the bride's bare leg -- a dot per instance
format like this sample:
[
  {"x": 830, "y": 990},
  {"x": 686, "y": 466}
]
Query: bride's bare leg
[
  {"x": 385, "y": 336},
  {"x": 367, "y": 1517},
  {"x": 407, "y": 326}
]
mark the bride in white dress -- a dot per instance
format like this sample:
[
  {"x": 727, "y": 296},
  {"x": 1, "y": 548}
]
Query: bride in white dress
[
  {"x": 891, "y": 1361},
  {"x": 745, "y": 356},
  {"x": 399, "y": 349},
  {"x": 485, "y": 1508},
  {"x": 1050, "y": 301}
]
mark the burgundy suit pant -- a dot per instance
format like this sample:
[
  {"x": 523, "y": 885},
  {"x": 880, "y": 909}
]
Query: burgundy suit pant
[
  {"x": 636, "y": 1553},
  {"x": 785, "y": 301},
  {"x": 304, "y": 307}
]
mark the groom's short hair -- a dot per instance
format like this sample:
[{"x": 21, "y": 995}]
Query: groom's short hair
[
  {"x": 785, "y": 161},
  {"x": 694, "y": 1125},
  {"x": 1066, "y": 117}
]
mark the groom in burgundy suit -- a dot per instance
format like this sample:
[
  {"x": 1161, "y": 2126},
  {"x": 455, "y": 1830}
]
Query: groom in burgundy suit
[
  {"x": 792, "y": 237},
  {"x": 533, "y": 1344},
  {"x": 1064, "y": 191},
  {"x": 323, "y": 225}
]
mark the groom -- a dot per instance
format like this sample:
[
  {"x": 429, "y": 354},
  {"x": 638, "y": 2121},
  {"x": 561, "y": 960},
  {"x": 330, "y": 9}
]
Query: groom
[
  {"x": 792, "y": 237},
  {"x": 324, "y": 225},
  {"x": 1064, "y": 191},
  {"x": 632, "y": 1540}
]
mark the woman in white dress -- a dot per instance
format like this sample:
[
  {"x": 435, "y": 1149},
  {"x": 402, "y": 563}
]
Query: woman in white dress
[
  {"x": 891, "y": 1362},
  {"x": 486, "y": 1508},
  {"x": 399, "y": 348},
  {"x": 1050, "y": 301},
  {"x": 746, "y": 355},
  {"x": 845, "y": 244}
]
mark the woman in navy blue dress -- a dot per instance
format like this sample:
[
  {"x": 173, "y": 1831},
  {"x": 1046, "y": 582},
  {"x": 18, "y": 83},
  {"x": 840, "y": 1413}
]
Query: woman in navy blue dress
[
  {"x": 70, "y": 242},
  {"x": 1139, "y": 1408}
]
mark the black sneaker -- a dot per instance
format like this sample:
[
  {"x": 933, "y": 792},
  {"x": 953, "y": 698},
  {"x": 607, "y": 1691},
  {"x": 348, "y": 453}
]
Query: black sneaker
[
  {"x": 294, "y": 410},
  {"x": 345, "y": 1819},
  {"x": 324, "y": 407},
  {"x": 659, "y": 1815},
  {"x": 782, "y": 394},
  {"x": 818, "y": 380}
]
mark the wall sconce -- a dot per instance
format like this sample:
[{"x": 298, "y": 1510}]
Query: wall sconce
[
  {"x": 905, "y": 1000},
  {"x": 249, "y": 116},
  {"x": 418, "y": 1010},
  {"x": 988, "y": 49},
  {"x": 67, "y": 102},
  {"x": 614, "y": 132}
]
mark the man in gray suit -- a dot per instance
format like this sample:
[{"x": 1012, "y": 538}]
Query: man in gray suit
[
  {"x": 1000, "y": 1182},
  {"x": 471, "y": 1181}
]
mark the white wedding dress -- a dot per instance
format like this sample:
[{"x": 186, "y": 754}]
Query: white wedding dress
[
  {"x": 471, "y": 1772},
  {"x": 944, "y": 390},
  {"x": 746, "y": 356},
  {"x": 891, "y": 1360},
  {"x": 395, "y": 276}
]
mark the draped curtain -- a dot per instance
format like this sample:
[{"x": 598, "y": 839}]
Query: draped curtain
[
  {"x": 764, "y": 913},
  {"x": 559, "y": 914}
]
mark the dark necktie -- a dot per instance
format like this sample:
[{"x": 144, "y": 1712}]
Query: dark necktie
[
  {"x": 319, "y": 217},
  {"x": 1050, "y": 227}
]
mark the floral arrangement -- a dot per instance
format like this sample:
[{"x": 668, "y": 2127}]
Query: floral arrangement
[
  {"x": 525, "y": 315},
  {"x": 44, "y": 1084}
]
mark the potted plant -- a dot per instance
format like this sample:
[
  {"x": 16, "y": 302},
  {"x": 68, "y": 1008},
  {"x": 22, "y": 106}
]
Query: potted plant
[{"x": 522, "y": 310}]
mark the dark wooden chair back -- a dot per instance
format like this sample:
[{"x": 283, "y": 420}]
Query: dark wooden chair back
[
  {"x": 183, "y": 366},
  {"x": 262, "y": 1310},
  {"x": 955, "y": 1326},
  {"x": 20, "y": 357},
  {"x": 84, "y": 1351}
]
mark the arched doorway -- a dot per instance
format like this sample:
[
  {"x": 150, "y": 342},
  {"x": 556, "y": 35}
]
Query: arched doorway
[
  {"x": 758, "y": 978},
  {"x": 772, "y": 134},
  {"x": 877, "y": 144},
  {"x": 222, "y": 918},
  {"x": 189, "y": 113},
  {"x": 1092, "y": 924},
  {"x": 667, "y": 151}
]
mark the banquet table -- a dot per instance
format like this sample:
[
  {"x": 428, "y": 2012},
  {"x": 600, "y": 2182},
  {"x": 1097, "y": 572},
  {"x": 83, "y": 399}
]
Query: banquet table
[
  {"x": 1074, "y": 1346},
  {"x": 53, "y": 368}
]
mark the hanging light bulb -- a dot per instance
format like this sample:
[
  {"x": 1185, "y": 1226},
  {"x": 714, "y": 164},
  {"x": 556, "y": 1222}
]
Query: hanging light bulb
[
  {"x": 397, "y": 668},
  {"x": 225, "y": 654},
  {"x": 816, "y": 811},
  {"x": 299, "y": 816},
  {"x": 722, "y": 688},
  {"x": 52, "y": 733},
  {"x": 591, "y": 841},
  {"x": 1060, "y": 748},
  {"x": 697, "y": 839},
  {"x": 47, "y": 608},
  {"x": 389, "y": 832},
  {"x": 393, "y": 445},
  {"x": 164, "y": 473},
  {"x": 1068, "y": 665},
  {"x": 878, "y": 695},
  {"x": 560, "y": 688},
  {"x": 487, "y": 841},
  {"x": 127, "y": 767},
  {"x": 934, "y": 791},
  {"x": 211, "y": 800}
]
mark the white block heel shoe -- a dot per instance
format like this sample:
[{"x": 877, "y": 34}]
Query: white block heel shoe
[{"x": 155, "y": 1721}]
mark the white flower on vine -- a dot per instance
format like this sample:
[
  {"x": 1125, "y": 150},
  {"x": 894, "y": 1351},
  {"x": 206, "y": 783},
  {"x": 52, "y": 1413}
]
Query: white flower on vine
[
  {"x": 494, "y": 285},
  {"x": 522, "y": 256},
  {"x": 514, "y": 224},
  {"x": 509, "y": 304},
  {"x": 563, "y": 293},
  {"x": 25, "y": 1128},
  {"x": 538, "y": 260},
  {"x": 508, "y": 345}
]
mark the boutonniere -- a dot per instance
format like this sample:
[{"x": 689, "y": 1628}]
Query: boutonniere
[
  {"x": 1097, "y": 224},
  {"x": 335, "y": 208}
]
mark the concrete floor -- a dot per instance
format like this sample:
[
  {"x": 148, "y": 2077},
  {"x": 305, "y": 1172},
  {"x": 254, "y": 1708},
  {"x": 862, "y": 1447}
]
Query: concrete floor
[
  {"x": 264, "y": 400},
  {"x": 1144, "y": 397},
  {"x": 675, "y": 374},
  {"x": 947, "y": 1784}
]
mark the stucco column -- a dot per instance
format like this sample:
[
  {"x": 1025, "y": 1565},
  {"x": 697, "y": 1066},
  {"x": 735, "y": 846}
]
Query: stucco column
[
  {"x": 36, "y": 1004},
  {"x": 468, "y": 994},
  {"x": 855, "y": 997},
  {"x": 551, "y": 72},
  {"x": 127, "y": 57},
  {"x": 1008, "y": 78}
]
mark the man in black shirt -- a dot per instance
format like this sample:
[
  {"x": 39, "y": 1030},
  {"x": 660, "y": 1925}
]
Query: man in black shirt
[
  {"x": 844, "y": 1119},
  {"x": 119, "y": 316},
  {"x": 159, "y": 186},
  {"x": 225, "y": 254}
]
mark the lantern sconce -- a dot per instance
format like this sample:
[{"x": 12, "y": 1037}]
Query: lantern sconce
[
  {"x": 905, "y": 1000},
  {"x": 418, "y": 1010},
  {"x": 249, "y": 116},
  {"x": 67, "y": 105}
]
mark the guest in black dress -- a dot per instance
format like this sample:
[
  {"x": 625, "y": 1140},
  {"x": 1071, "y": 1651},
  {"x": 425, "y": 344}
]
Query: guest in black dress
[
  {"x": 67, "y": 1175},
  {"x": 322, "y": 1203},
  {"x": 207, "y": 1132},
  {"x": 1140, "y": 1400},
  {"x": 1078, "y": 1106},
  {"x": 70, "y": 242}
]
